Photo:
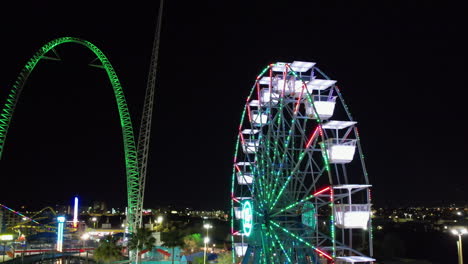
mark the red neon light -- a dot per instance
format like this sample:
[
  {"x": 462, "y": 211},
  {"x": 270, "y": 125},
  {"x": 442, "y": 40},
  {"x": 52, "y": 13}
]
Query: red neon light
[
  {"x": 312, "y": 137},
  {"x": 323, "y": 253},
  {"x": 284, "y": 79},
  {"x": 237, "y": 168},
  {"x": 322, "y": 191},
  {"x": 234, "y": 198},
  {"x": 235, "y": 233},
  {"x": 248, "y": 113},
  {"x": 270, "y": 73},
  {"x": 299, "y": 99},
  {"x": 258, "y": 93},
  {"x": 242, "y": 138}
]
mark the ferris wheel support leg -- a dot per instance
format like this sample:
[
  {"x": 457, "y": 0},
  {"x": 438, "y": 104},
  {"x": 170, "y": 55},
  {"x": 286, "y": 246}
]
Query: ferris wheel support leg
[
  {"x": 248, "y": 253},
  {"x": 246, "y": 257}
]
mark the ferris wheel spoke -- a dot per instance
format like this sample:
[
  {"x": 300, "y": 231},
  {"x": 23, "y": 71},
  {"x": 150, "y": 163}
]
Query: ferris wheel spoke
[
  {"x": 278, "y": 242},
  {"x": 286, "y": 154},
  {"x": 315, "y": 181},
  {"x": 289, "y": 178},
  {"x": 293, "y": 205},
  {"x": 298, "y": 238},
  {"x": 282, "y": 167},
  {"x": 263, "y": 176}
]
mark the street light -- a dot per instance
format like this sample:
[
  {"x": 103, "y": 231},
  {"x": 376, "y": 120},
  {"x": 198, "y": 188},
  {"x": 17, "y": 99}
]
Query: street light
[
  {"x": 94, "y": 219},
  {"x": 206, "y": 240},
  {"x": 159, "y": 220},
  {"x": 459, "y": 233}
]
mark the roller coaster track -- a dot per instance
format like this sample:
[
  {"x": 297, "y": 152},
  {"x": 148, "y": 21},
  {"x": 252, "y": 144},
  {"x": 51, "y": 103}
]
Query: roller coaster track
[{"x": 131, "y": 159}]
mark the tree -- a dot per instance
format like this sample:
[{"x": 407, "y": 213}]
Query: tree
[
  {"x": 142, "y": 239},
  {"x": 193, "y": 242},
  {"x": 225, "y": 258},
  {"x": 172, "y": 239},
  {"x": 107, "y": 250}
]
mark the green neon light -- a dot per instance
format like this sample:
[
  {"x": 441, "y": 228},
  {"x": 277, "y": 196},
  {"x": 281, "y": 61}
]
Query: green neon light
[
  {"x": 247, "y": 218},
  {"x": 279, "y": 243},
  {"x": 131, "y": 163}
]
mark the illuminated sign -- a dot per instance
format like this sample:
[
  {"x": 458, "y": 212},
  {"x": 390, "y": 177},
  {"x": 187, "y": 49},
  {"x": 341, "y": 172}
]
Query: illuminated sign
[{"x": 247, "y": 219}]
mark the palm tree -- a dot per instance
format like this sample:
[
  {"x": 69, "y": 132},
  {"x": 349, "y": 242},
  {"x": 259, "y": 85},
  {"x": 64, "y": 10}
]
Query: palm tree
[
  {"x": 142, "y": 239},
  {"x": 173, "y": 238},
  {"x": 192, "y": 242},
  {"x": 107, "y": 250}
]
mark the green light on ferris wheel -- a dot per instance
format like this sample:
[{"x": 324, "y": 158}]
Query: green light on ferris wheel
[{"x": 247, "y": 218}]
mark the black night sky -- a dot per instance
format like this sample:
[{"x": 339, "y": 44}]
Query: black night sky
[{"x": 401, "y": 67}]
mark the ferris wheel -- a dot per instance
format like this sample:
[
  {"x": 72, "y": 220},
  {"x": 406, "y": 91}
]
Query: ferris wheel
[{"x": 300, "y": 191}]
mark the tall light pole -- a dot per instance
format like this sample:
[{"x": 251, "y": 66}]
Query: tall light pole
[
  {"x": 459, "y": 233},
  {"x": 206, "y": 240}
]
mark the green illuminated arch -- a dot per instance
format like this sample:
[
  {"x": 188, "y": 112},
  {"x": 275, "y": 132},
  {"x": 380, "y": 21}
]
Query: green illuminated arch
[{"x": 131, "y": 162}]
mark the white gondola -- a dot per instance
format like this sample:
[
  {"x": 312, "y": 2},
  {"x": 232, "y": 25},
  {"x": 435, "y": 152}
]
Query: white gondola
[
  {"x": 325, "y": 106},
  {"x": 319, "y": 84},
  {"x": 238, "y": 212},
  {"x": 336, "y": 124},
  {"x": 254, "y": 103},
  {"x": 266, "y": 80},
  {"x": 240, "y": 249},
  {"x": 269, "y": 98},
  {"x": 298, "y": 87},
  {"x": 352, "y": 215},
  {"x": 282, "y": 88},
  {"x": 250, "y": 146},
  {"x": 249, "y": 131},
  {"x": 354, "y": 259},
  {"x": 340, "y": 150},
  {"x": 279, "y": 67},
  {"x": 244, "y": 163},
  {"x": 301, "y": 66},
  {"x": 297, "y": 66},
  {"x": 244, "y": 178},
  {"x": 259, "y": 119}
]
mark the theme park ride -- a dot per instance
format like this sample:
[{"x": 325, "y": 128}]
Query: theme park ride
[
  {"x": 48, "y": 52},
  {"x": 42, "y": 221},
  {"x": 136, "y": 154},
  {"x": 300, "y": 189}
]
